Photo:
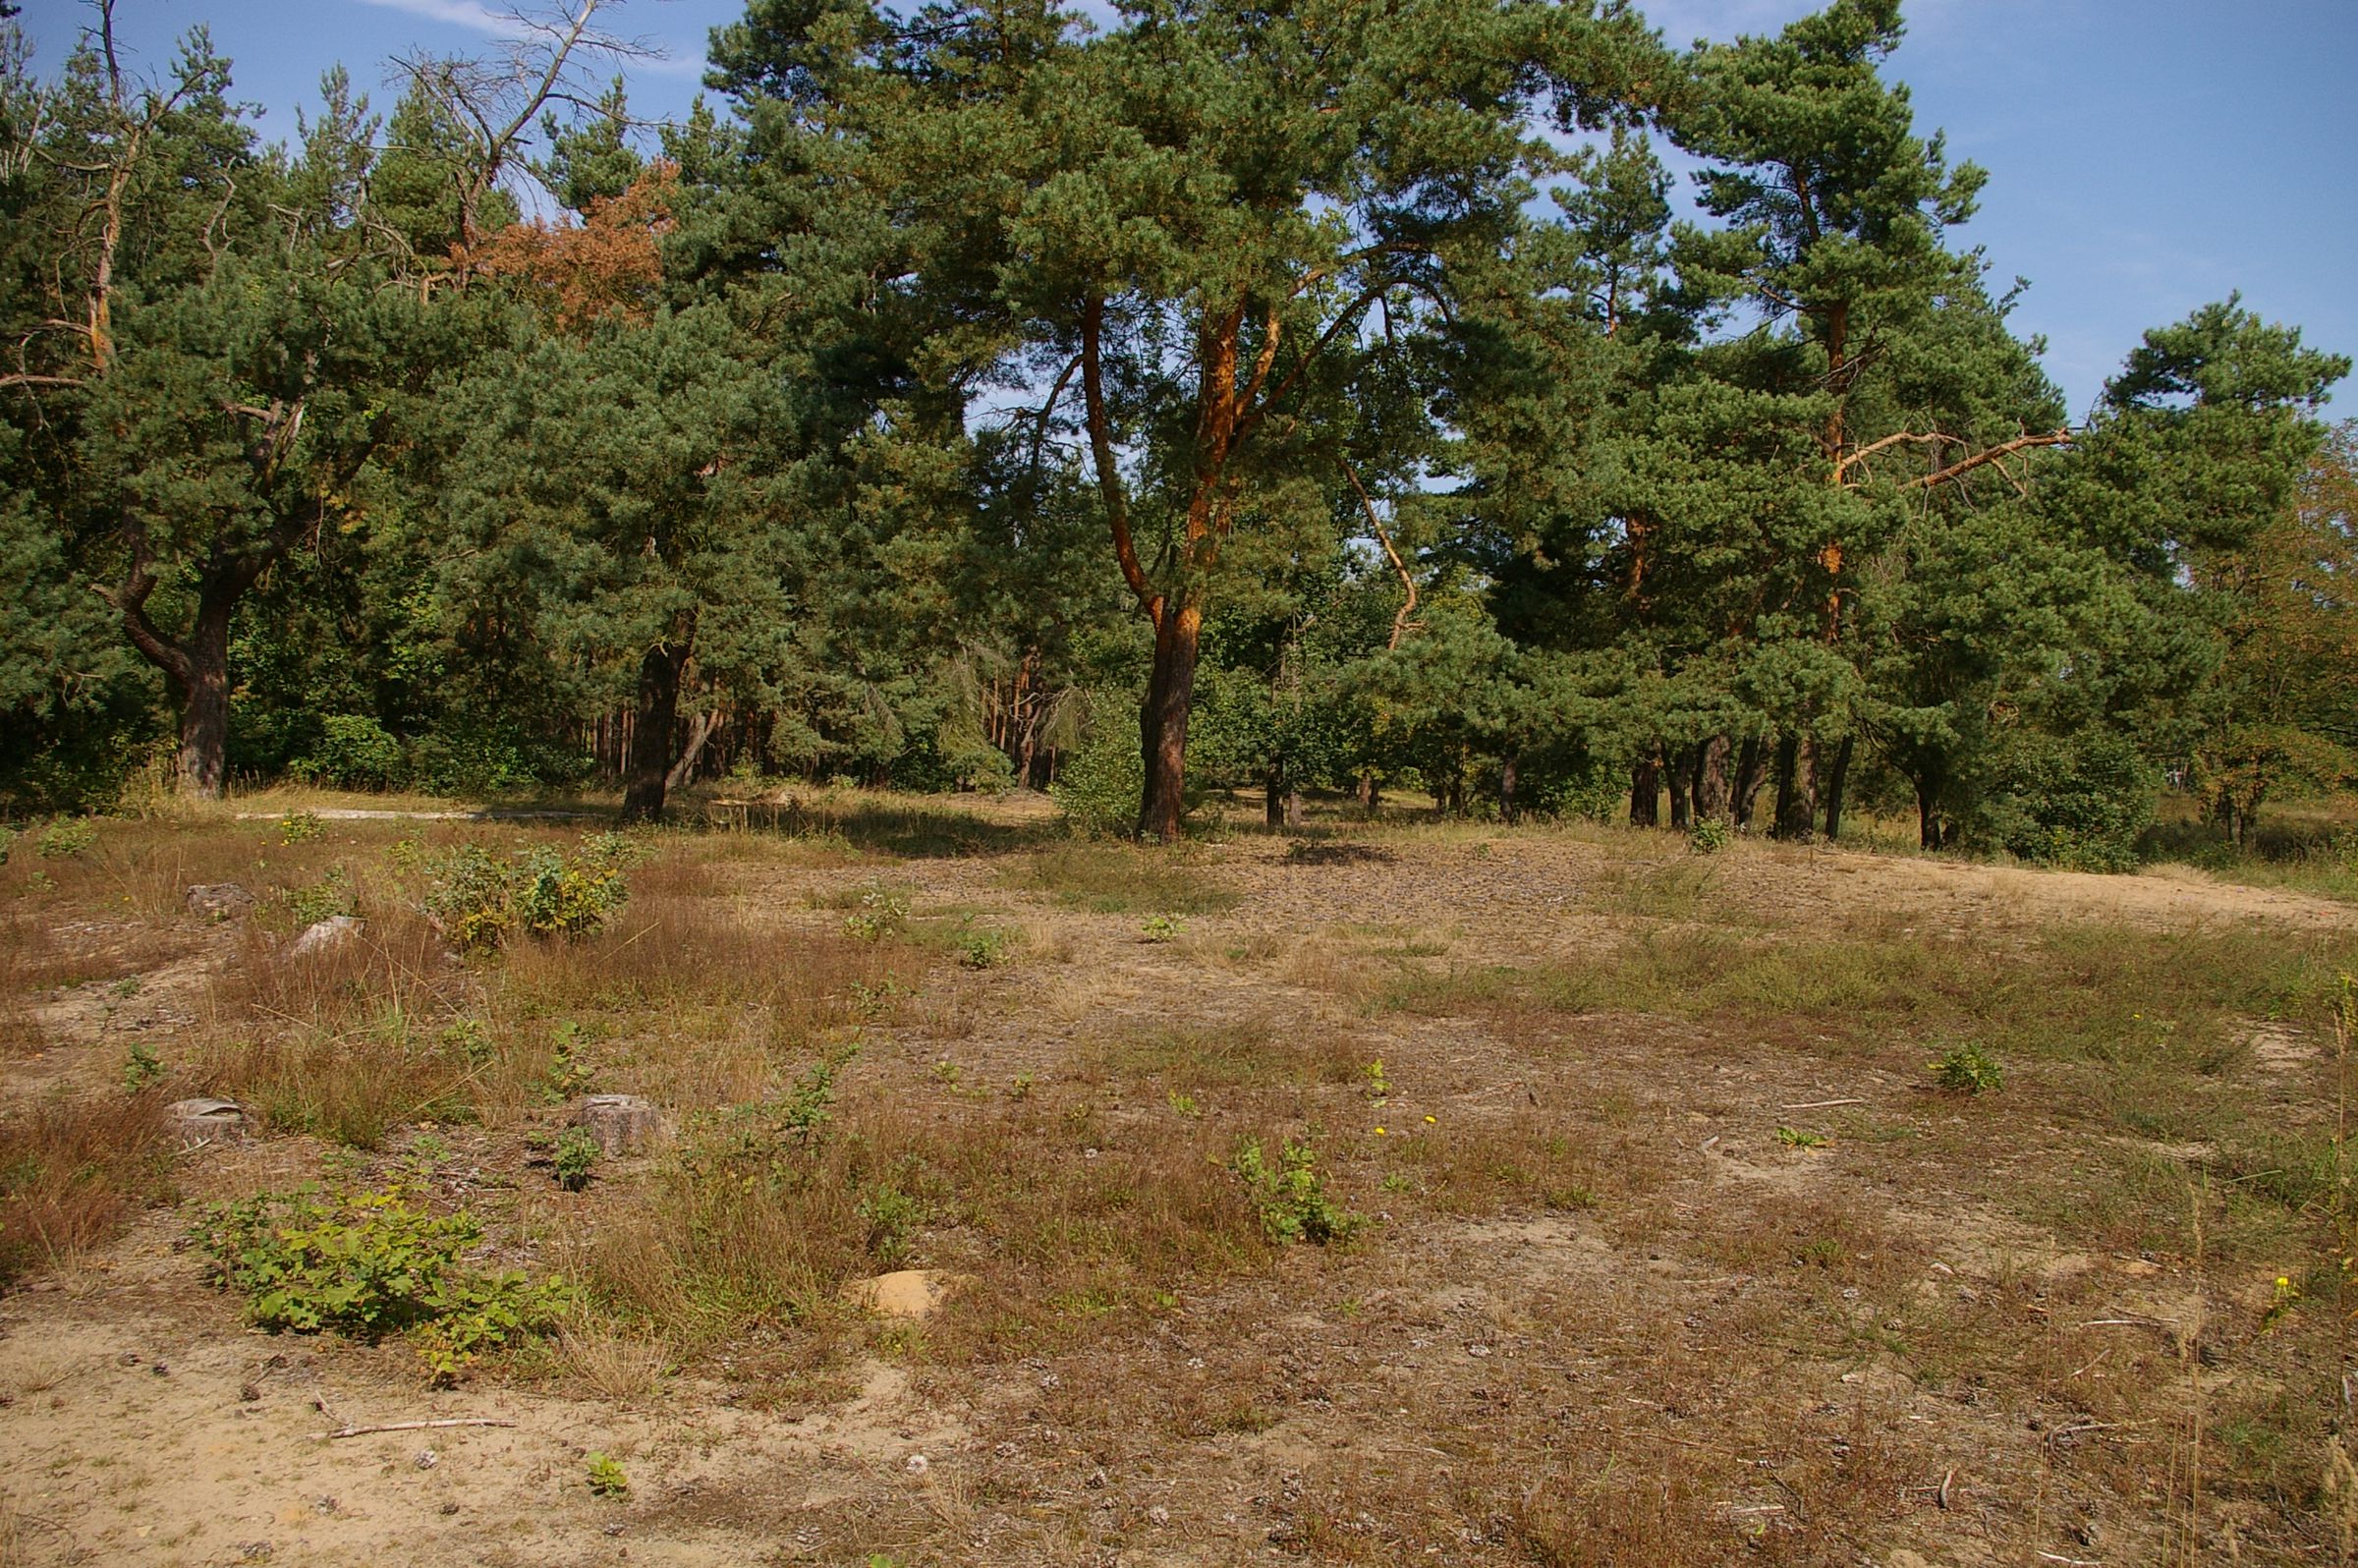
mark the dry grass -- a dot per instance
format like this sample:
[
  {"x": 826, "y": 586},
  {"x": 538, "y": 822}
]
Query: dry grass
[
  {"x": 1597, "y": 1311},
  {"x": 750, "y": 1223},
  {"x": 71, "y": 1173},
  {"x": 1123, "y": 879}
]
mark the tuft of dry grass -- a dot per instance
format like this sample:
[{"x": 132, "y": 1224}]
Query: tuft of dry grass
[
  {"x": 1122, "y": 879},
  {"x": 71, "y": 1172},
  {"x": 750, "y": 1223},
  {"x": 620, "y": 1365}
]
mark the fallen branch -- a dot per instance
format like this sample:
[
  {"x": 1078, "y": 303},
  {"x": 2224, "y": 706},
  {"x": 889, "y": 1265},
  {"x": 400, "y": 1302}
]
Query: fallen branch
[
  {"x": 411, "y": 1425},
  {"x": 1821, "y": 1104}
]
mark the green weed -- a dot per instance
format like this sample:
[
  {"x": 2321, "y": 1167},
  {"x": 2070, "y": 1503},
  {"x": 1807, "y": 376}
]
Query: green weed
[{"x": 1291, "y": 1196}]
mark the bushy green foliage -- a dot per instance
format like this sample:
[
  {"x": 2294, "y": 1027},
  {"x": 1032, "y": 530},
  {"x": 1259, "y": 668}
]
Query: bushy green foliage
[
  {"x": 300, "y": 828},
  {"x": 576, "y": 1157},
  {"x": 331, "y": 895},
  {"x": 1097, "y": 788},
  {"x": 2077, "y": 801},
  {"x": 353, "y": 752},
  {"x": 607, "y": 1478},
  {"x": 369, "y": 1264},
  {"x": 811, "y": 1105},
  {"x": 882, "y": 912},
  {"x": 1710, "y": 835},
  {"x": 1293, "y": 1200},
  {"x": 1968, "y": 1069},
  {"x": 482, "y": 899},
  {"x": 63, "y": 837},
  {"x": 141, "y": 1067}
]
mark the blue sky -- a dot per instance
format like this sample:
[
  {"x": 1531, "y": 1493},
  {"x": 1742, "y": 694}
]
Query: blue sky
[{"x": 2146, "y": 156}]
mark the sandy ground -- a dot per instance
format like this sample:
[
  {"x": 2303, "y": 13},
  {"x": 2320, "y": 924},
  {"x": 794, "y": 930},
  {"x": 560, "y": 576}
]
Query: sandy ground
[{"x": 145, "y": 1427}]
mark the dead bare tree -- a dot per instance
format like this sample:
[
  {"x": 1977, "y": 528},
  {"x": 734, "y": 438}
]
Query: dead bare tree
[{"x": 542, "y": 61}]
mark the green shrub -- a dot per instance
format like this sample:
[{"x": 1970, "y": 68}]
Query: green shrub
[
  {"x": 881, "y": 913},
  {"x": 1710, "y": 835},
  {"x": 352, "y": 750},
  {"x": 479, "y": 899},
  {"x": 986, "y": 948},
  {"x": 142, "y": 1067},
  {"x": 607, "y": 1478},
  {"x": 330, "y": 896},
  {"x": 577, "y": 1155},
  {"x": 1293, "y": 1200},
  {"x": 1101, "y": 781},
  {"x": 1968, "y": 1070},
  {"x": 67, "y": 836},
  {"x": 299, "y": 827},
  {"x": 370, "y": 1263},
  {"x": 2078, "y": 802}
]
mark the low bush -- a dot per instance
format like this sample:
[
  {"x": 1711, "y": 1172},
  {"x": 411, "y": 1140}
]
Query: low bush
[
  {"x": 1292, "y": 1196},
  {"x": 372, "y": 1264},
  {"x": 480, "y": 900},
  {"x": 352, "y": 752}
]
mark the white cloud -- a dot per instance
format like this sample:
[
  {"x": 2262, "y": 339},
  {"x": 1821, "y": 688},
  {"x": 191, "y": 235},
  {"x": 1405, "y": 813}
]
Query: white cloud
[{"x": 457, "y": 13}]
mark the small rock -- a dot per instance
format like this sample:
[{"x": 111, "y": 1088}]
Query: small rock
[
  {"x": 161, "y": 1370},
  {"x": 450, "y": 1508},
  {"x": 217, "y": 901},
  {"x": 326, "y": 935},
  {"x": 620, "y": 1123},
  {"x": 427, "y": 1459},
  {"x": 1096, "y": 1480},
  {"x": 247, "y": 1394},
  {"x": 917, "y": 1464},
  {"x": 204, "y": 1121},
  {"x": 1158, "y": 1515},
  {"x": 904, "y": 1293}
]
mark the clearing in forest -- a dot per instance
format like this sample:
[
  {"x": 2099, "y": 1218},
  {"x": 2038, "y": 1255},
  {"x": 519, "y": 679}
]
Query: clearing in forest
[{"x": 1378, "y": 1194}]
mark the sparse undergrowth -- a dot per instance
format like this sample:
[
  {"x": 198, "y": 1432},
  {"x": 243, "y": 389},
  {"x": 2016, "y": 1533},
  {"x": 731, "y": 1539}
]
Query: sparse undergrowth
[
  {"x": 1517, "y": 1140},
  {"x": 375, "y": 1263}
]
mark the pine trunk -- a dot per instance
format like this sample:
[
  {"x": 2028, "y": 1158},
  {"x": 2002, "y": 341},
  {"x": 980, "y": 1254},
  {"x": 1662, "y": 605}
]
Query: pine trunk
[
  {"x": 1746, "y": 790},
  {"x": 1645, "y": 791},
  {"x": 1273, "y": 800},
  {"x": 1928, "y": 827},
  {"x": 1710, "y": 779},
  {"x": 1682, "y": 786},
  {"x": 1510, "y": 810},
  {"x": 1162, "y": 723},
  {"x": 1835, "y": 778},
  {"x": 683, "y": 772},
  {"x": 203, "y": 682},
  {"x": 1796, "y": 787},
  {"x": 651, "y": 748}
]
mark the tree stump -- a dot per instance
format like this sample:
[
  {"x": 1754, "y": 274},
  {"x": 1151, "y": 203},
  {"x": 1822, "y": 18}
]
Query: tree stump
[
  {"x": 198, "y": 1122},
  {"x": 621, "y": 1122},
  {"x": 326, "y": 935},
  {"x": 217, "y": 901}
]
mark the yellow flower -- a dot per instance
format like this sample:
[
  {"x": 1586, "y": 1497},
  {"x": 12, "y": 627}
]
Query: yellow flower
[
  {"x": 1378, "y": 1132},
  {"x": 1429, "y": 1121}
]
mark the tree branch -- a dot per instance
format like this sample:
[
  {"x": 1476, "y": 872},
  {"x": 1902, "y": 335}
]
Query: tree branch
[
  {"x": 1844, "y": 465},
  {"x": 1100, "y": 446},
  {"x": 1408, "y": 607},
  {"x": 1990, "y": 455}
]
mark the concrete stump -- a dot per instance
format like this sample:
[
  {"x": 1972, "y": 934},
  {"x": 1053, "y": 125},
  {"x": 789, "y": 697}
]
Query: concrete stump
[
  {"x": 198, "y": 1122},
  {"x": 217, "y": 901},
  {"x": 326, "y": 935},
  {"x": 621, "y": 1122}
]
